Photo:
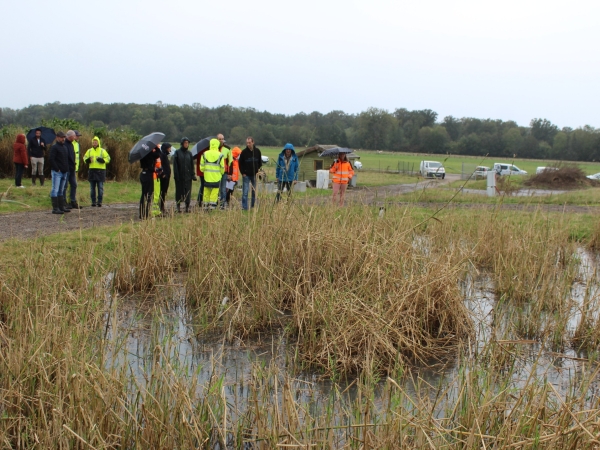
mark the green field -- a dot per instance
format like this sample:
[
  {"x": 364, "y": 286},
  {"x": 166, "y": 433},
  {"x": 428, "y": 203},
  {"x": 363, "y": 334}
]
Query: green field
[{"x": 388, "y": 161}]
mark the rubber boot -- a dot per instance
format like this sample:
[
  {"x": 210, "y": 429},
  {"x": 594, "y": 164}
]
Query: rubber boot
[
  {"x": 66, "y": 205},
  {"x": 75, "y": 205},
  {"x": 33, "y": 180},
  {"x": 41, "y": 180},
  {"x": 61, "y": 205},
  {"x": 55, "y": 208}
]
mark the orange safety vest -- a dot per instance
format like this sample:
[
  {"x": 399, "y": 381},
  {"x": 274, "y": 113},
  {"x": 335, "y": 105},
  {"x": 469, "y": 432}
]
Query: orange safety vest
[
  {"x": 342, "y": 171},
  {"x": 235, "y": 165},
  {"x": 157, "y": 165}
]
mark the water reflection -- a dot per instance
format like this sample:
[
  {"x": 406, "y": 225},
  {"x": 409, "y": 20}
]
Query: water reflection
[{"x": 147, "y": 331}]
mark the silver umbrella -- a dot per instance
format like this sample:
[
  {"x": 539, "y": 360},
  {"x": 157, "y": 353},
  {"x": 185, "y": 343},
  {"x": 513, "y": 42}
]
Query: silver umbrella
[{"x": 336, "y": 151}]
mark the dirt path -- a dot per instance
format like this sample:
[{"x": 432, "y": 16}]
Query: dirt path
[{"x": 32, "y": 224}]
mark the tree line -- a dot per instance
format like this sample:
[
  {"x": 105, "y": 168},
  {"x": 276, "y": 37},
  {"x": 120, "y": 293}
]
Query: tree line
[{"x": 419, "y": 131}]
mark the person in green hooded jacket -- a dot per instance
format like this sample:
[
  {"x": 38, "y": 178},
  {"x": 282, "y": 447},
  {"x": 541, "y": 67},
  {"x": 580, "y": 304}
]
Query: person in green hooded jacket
[{"x": 97, "y": 158}]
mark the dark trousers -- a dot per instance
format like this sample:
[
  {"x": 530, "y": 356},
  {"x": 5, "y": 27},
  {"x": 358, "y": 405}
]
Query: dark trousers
[
  {"x": 19, "y": 169},
  {"x": 229, "y": 192},
  {"x": 100, "y": 186},
  {"x": 201, "y": 191},
  {"x": 147, "y": 182},
  {"x": 72, "y": 180},
  {"x": 164, "y": 187},
  {"x": 183, "y": 192},
  {"x": 281, "y": 185}
]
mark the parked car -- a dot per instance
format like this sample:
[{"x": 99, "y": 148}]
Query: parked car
[
  {"x": 481, "y": 172},
  {"x": 432, "y": 169},
  {"x": 508, "y": 169},
  {"x": 542, "y": 169},
  {"x": 265, "y": 159},
  {"x": 596, "y": 176}
]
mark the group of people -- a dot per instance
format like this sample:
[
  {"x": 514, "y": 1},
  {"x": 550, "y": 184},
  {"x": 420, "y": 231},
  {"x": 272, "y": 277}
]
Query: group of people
[
  {"x": 218, "y": 168},
  {"x": 63, "y": 157}
]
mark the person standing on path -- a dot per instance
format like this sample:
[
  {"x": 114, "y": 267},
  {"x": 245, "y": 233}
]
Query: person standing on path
[
  {"x": 286, "y": 173},
  {"x": 147, "y": 164},
  {"x": 20, "y": 159},
  {"x": 226, "y": 152},
  {"x": 59, "y": 165},
  {"x": 212, "y": 164},
  {"x": 250, "y": 163},
  {"x": 165, "y": 176},
  {"x": 36, "y": 149},
  {"x": 97, "y": 158},
  {"x": 342, "y": 173},
  {"x": 183, "y": 172},
  {"x": 71, "y": 179},
  {"x": 73, "y": 141}
]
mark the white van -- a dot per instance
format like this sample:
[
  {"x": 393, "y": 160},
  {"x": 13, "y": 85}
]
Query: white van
[
  {"x": 432, "y": 169},
  {"x": 508, "y": 169}
]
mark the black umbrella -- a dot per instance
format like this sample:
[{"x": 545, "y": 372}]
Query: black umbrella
[
  {"x": 48, "y": 134},
  {"x": 336, "y": 151},
  {"x": 201, "y": 146},
  {"x": 144, "y": 146}
]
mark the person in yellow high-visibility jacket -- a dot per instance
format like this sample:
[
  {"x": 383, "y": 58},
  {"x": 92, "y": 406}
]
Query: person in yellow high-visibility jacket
[
  {"x": 212, "y": 164},
  {"x": 97, "y": 158}
]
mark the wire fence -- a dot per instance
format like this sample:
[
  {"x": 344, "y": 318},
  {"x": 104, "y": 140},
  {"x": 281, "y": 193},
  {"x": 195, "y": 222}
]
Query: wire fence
[{"x": 467, "y": 171}]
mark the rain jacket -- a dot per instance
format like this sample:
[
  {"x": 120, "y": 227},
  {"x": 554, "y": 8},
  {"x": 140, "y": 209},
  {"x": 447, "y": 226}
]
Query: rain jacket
[
  {"x": 342, "y": 171},
  {"x": 20, "y": 151},
  {"x": 234, "y": 168},
  {"x": 250, "y": 161},
  {"x": 59, "y": 158},
  {"x": 35, "y": 149},
  {"x": 93, "y": 154},
  {"x": 183, "y": 165},
  {"x": 287, "y": 170},
  {"x": 97, "y": 171},
  {"x": 165, "y": 164},
  {"x": 212, "y": 163},
  {"x": 76, "y": 149},
  {"x": 226, "y": 152},
  {"x": 71, "y": 153}
]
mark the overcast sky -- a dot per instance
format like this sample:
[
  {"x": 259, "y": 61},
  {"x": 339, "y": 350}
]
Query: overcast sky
[{"x": 467, "y": 58}]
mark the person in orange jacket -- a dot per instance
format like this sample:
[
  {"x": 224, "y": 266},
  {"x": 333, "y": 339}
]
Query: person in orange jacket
[
  {"x": 342, "y": 173},
  {"x": 233, "y": 174}
]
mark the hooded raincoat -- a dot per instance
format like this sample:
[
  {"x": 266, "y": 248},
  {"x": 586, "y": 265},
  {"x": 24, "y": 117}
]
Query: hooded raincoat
[
  {"x": 20, "y": 151},
  {"x": 97, "y": 171},
  {"x": 287, "y": 168}
]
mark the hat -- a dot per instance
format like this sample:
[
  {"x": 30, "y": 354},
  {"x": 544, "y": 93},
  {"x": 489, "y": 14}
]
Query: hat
[
  {"x": 61, "y": 134},
  {"x": 77, "y": 133},
  {"x": 183, "y": 139},
  {"x": 166, "y": 146}
]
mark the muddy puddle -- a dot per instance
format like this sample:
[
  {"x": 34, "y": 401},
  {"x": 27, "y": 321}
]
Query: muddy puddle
[{"x": 139, "y": 331}]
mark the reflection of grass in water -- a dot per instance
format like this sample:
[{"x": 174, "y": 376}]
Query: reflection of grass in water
[{"x": 336, "y": 275}]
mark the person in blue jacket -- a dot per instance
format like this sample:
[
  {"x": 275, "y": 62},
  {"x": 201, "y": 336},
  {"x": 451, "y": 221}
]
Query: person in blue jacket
[{"x": 287, "y": 170}]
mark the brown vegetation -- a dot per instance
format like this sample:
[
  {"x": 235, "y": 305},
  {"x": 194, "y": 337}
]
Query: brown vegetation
[{"x": 561, "y": 176}]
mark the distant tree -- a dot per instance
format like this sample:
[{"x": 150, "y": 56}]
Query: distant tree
[
  {"x": 543, "y": 130},
  {"x": 375, "y": 127},
  {"x": 452, "y": 126},
  {"x": 434, "y": 139}
]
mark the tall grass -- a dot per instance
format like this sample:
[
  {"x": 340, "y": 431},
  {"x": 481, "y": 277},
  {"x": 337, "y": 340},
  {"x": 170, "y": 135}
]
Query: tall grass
[{"x": 350, "y": 293}]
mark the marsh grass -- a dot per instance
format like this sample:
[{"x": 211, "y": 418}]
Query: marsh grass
[{"x": 352, "y": 295}]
